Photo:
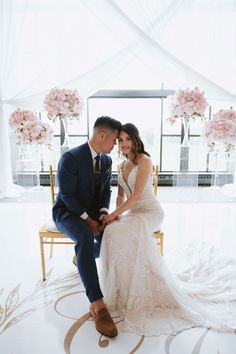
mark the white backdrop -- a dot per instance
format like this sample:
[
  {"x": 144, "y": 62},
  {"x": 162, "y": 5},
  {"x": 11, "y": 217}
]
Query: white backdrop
[{"x": 91, "y": 44}]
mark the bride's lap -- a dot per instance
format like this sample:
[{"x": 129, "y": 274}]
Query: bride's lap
[
  {"x": 127, "y": 225},
  {"x": 131, "y": 223},
  {"x": 125, "y": 239}
]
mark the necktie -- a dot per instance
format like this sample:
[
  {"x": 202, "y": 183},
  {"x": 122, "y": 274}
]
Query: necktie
[{"x": 97, "y": 169}]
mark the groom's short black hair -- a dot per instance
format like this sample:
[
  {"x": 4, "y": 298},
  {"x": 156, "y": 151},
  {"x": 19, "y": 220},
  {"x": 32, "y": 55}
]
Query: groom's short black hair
[{"x": 107, "y": 122}]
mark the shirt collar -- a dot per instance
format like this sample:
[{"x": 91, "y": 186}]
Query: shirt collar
[{"x": 93, "y": 152}]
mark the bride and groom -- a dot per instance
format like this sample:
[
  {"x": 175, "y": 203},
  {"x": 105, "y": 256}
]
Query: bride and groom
[{"x": 137, "y": 283}]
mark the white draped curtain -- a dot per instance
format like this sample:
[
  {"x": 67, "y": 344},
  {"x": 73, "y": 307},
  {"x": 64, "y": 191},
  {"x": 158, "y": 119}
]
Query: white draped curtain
[{"x": 126, "y": 44}]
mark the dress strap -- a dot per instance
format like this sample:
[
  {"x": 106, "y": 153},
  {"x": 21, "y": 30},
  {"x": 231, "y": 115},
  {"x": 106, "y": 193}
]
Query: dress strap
[{"x": 120, "y": 167}]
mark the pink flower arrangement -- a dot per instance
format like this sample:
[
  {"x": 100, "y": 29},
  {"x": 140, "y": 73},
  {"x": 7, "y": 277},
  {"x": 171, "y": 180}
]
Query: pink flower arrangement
[
  {"x": 19, "y": 117},
  {"x": 36, "y": 132},
  {"x": 225, "y": 115},
  {"x": 221, "y": 130},
  {"x": 29, "y": 128},
  {"x": 190, "y": 104},
  {"x": 61, "y": 103}
]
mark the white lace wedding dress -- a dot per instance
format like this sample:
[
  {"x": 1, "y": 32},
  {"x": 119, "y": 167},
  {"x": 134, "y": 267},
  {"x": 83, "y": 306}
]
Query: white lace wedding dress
[{"x": 147, "y": 296}]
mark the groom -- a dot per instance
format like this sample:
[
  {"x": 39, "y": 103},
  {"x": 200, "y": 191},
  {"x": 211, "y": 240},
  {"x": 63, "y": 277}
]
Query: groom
[{"x": 84, "y": 177}]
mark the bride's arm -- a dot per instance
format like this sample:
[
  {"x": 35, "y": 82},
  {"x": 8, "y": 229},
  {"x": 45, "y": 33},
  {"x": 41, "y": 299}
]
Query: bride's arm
[{"x": 144, "y": 172}]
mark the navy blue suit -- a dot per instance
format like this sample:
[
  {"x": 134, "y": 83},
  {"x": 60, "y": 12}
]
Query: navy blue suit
[{"x": 76, "y": 195}]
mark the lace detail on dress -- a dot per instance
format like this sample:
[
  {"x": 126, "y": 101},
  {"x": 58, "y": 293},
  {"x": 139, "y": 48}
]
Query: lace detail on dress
[{"x": 138, "y": 285}]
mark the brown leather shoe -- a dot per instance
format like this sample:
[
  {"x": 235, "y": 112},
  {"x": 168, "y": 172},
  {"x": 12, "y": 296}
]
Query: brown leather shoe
[{"x": 103, "y": 322}]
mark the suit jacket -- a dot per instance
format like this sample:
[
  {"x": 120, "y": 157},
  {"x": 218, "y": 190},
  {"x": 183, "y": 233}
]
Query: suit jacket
[{"x": 77, "y": 183}]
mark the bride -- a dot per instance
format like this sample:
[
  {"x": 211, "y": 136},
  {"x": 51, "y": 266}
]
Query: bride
[{"x": 137, "y": 283}]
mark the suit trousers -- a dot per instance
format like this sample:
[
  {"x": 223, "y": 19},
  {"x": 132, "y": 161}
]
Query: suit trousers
[{"x": 87, "y": 248}]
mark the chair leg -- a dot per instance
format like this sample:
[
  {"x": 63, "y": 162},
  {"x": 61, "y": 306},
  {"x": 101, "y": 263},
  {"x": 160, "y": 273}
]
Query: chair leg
[
  {"x": 42, "y": 258},
  {"x": 51, "y": 248},
  {"x": 159, "y": 241},
  {"x": 161, "y": 246}
]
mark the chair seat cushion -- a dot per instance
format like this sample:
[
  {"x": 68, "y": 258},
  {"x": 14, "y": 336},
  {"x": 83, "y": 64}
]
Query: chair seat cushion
[{"x": 50, "y": 226}]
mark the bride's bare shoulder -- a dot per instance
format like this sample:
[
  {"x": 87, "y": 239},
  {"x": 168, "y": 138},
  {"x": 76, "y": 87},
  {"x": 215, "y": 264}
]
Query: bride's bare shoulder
[
  {"x": 144, "y": 159},
  {"x": 145, "y": 162}
]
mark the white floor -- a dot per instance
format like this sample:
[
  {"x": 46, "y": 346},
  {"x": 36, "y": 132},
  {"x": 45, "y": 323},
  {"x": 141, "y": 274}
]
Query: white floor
[{"x": 52, "y": 318}]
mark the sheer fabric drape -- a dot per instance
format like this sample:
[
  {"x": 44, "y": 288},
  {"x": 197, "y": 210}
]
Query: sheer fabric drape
[{"x": 90, "y": 45}]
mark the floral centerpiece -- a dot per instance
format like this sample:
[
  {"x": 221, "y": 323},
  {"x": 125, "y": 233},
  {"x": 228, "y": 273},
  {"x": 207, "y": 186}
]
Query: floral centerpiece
[
  {"x": 190, "y": 104},
  {"x": 36, "y": 132},
  {"x": 63, "y": 104},
  {"x": 19, "y": 117},
  {"x": 220, "y": 137},
  {"x": 60, "y": 103},
  {"x": 221, "y": 131},
  {"x": 187, "y": 105},
  {"x": 29, "y": 129}
]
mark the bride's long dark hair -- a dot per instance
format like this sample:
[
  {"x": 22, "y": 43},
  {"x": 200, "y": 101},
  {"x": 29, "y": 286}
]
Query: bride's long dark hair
[{"x": 133, "y": 133}]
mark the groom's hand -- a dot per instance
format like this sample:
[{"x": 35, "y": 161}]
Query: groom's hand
[
  {"x": 93, "y": 225},
  {"x": 101, "y": 220}
]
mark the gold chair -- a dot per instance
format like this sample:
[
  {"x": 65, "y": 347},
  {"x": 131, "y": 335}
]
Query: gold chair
[
  {"x": 158, "y": 235},
  {"x": 47, "y": 237}
]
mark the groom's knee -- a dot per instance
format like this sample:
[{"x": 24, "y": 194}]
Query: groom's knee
[{"x": 75, "y": 228}]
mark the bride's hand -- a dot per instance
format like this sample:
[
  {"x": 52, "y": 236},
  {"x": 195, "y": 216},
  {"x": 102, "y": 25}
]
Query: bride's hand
[
  {"x": 117, "y": 218},
  {"x": 110, "y": 218}
]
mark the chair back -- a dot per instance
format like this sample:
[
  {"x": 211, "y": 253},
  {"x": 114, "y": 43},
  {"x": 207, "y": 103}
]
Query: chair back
[
  {"x": 155, "y": 179},
  {"x": 52, "y": 174}
]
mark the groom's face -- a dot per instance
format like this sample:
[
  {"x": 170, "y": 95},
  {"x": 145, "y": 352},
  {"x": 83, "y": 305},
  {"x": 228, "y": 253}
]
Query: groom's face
[{"x": 109, "y": 141}]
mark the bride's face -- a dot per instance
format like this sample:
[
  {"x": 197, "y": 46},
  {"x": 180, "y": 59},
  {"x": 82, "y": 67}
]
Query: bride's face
[{"x": 125, "y": 143}]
